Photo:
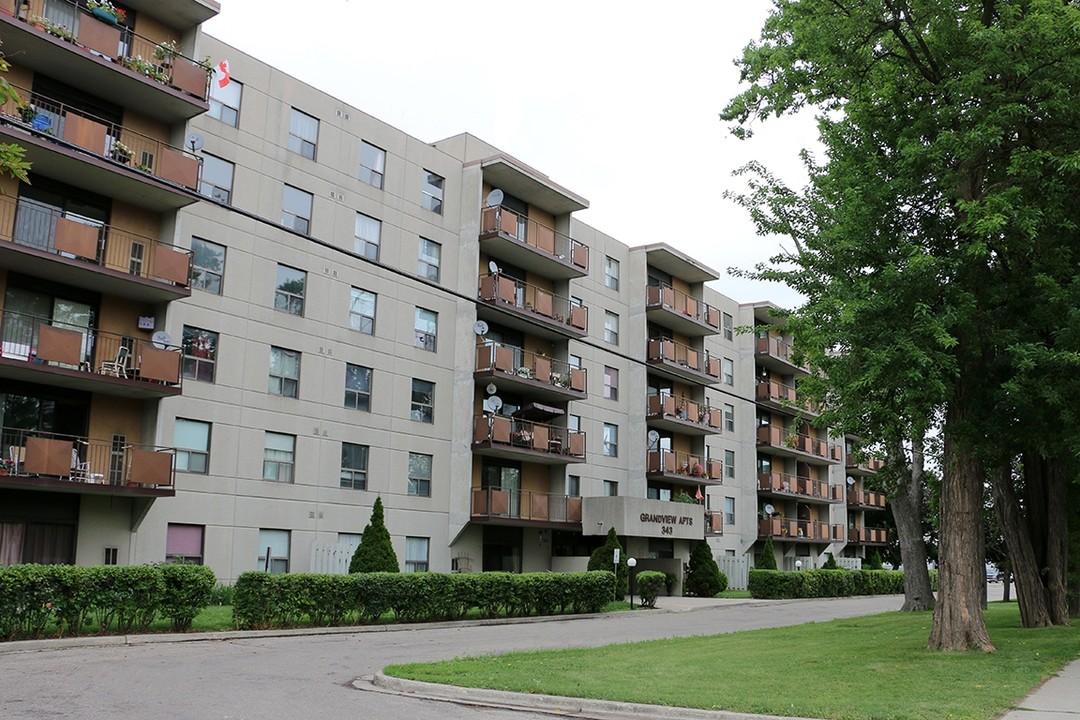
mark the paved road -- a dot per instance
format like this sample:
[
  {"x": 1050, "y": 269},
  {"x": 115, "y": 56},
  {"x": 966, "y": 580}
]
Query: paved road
[{"x": 294, "y": 678}]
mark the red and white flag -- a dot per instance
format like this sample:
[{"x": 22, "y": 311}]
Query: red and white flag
[
  {"x": 699, "y": 496},
  {"x": 221, "y": 73}
]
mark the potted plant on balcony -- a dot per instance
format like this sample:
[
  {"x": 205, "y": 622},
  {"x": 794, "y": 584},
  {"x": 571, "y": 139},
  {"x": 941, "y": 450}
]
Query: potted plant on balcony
[
  {"x": 106, "y": 12},
  {"x": 166, "y": 51},
  {"x": 697, "y": 470},
  {"x": 27, "y": 112},
  {"x": 120, "y": 152}
]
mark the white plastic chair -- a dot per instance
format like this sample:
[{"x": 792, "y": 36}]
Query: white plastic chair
[{"x": 79, "y": 470}]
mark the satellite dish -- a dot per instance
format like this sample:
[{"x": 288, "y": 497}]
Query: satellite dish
[
  {"x": 195, "y": 141},
  {"x": 495, "y": 402},
  {"x": 161, "y": 339},
  {"x": 653, "y": 437},
  {"x": 769, "y": 510},
  {"x": 480, "y": 328},
  {"x": 494, "y": 198},
  {"x": 850, "y": 480},
  {"x": 493, "y": 267},
  {"x": 491, "y": 389}
]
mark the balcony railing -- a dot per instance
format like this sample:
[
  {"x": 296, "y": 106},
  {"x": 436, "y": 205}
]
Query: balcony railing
[
  {"x": 51, "y": 343},
  {"x": 76, "y": 24},
  {"x": 500, "y": 221},
  {"x": 105, "y": 139},
  {"x": 527, "y": 435},
  {"x": 493, "y": 356},
  {"x": 683, "y": 359},
  {"x": 867, "y": 536},
  {"x": 31, "y": 453},
  {"x": 525, "y": 505},
  {"x": 871, "y": 465},
  {"x": 866, "y": 499},
  {"x": 695, "y": 468},
  {"x": 714, "y": 522},
  {"x": 794, "y": 485},
  {"x": 684, "y": 409},
  {"x": 534, "y": 302},
  {"x": 774, "y": 391},
  {"x": 782, "y": 438},
  {"x": 791, "y": 529},
  {"x": 684, "y": 305},
  {"x": 31, "y": 224}
]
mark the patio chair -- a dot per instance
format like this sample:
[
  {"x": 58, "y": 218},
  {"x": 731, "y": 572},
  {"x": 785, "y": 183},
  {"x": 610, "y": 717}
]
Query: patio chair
[
  {"x": 17, "y": 454},
  {"x": 80, "y": 470},
  {"x": 117, "y": 367}
]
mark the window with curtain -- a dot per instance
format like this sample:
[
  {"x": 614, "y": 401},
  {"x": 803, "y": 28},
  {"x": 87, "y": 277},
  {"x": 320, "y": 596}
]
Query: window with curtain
[
  {"x": 191, "y": 438},
  {"x": 303, "y": 133},
  {"x": 184, "y": 544},
  {"x": 284, "y": 372},
  {"x": 372, "y": 164},
  {"x": 279, "y": 457},
  {"x": 368, "y": 236},
  {"x": 274, "y": 547},
  {"x": 416, "y": 554},
  {"x": 426, "y": 326},
  {"x": 362, "y": 310}
]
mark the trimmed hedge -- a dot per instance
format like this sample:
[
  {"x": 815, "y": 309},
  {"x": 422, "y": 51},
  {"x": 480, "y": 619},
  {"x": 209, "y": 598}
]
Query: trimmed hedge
[
  {"x": 778, "y": 584},
  {"x": 263, "y": 600},
  {"x": 122, "y": 599},
  {"x": 649, "y": 585}
]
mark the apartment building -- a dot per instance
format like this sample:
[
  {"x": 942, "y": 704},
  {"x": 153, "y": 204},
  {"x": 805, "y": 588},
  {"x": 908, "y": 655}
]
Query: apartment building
[{"x": 225, "y": 344}]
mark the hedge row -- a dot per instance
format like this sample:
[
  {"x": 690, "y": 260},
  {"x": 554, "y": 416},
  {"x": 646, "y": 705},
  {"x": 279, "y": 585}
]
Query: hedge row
[
  {"x": 122, "y": 599},
  {"x": 778, "y": 584},
  {"x": 263, "y": 600}
]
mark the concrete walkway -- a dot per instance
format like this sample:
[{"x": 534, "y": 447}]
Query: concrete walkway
[{"x": 1057, "y": 699}]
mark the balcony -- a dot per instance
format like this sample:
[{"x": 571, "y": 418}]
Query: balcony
[
  {"x": 799, "y": 530},
  {"x": 73, "y": 45},
  {"x": 714, "y": 522},
  {"x": 62, "y": 463},
  {"x": 807, "y": 448},
  {"x": 526, "y": 440},
  {"x": 803, "y": 488},
  {"x": 775, "y": 353},
  {"x": 531, "y": 374},
  {"x": 99, "y": 156},
  {"x": 866, "y": 500},
  {"x": 864, "y": 467},
  {"x": 42, "y": 242},
  {"x": 681, "y": 414},
  {"x": 506, "y": 235},
  {"x": 683, "y": 313},
  {"x": 682, "y": 362},
  {"x": 867, "y": 536},
  {"x": 41, "y": 350},
  {"x": 525, "y": 508},
  {"x": 683, "y": 468},
  {"x": 530, "y": 309},
  {"x": 781, "y": 396}
]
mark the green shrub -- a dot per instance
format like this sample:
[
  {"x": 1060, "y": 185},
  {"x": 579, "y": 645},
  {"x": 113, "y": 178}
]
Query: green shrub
[
  {"x": 375, "y": 552},
  {"x": 601, "y": 560},
  {"x": 704, "y": 578},
  {"x": 874, "y": 561},
  {"x": 830, "y": 563},
  {"x": 187, "y": 591},
  {"x": 221, "y": 595},
  {"x": 775, "y": 584},
  {"x": 768, "y": 555},
  {"x": 649, "y": 585}
]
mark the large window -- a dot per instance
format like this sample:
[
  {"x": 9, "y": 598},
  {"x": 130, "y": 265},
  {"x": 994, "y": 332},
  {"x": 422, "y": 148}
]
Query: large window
[
  {"x": 611, "y": 327},
  {"x": 422, "y": 408},
  {"x": 225, "y": 101},
  {"x": 416, "y": 554},
  {"x": 274, "y": 551},
  {"x": 216, "y": 180},
  {"x": 184, "y": 544},
  {"x": 191, "y": 438},
  {"x": 362, "y": 310},
  {"x": 430, "y": 259},
  {"x": 284, "y": 372},
  {"x": 368, "y": 236},
  {"x": 372, "y": 164},
  {"x": 611, "y": 273},
  {"x": 426, "y": 327},
  {"x": 611, "y": 383},
  {"x": 611, "y": 440},
  {"x": 200, "y": 354},
  {"x": 279, "y": 457},
  {"x": 354, "y": 459},
  {"x": 303, "y": 134},
  {"x": 296, "y": 209},
  {"x": 420, "y": 474},
  {"x": 431, "y": 196},
  {"x": 358, "y": 387},
  {"x": 207, "y": 266},
  {"x": 289, "y": 291}
]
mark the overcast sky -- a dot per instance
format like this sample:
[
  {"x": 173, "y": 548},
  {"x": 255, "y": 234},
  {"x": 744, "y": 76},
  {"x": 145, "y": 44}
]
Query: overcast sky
[{"x": 618, "y": 102}]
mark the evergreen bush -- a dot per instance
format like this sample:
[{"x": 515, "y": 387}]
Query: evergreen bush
[
  {"x": 830, "y": 563},
  {"x": 375, "y": 552},
  {"x": 704, "y": 578},
  {"x": 601, "y": 559},
  {"x": 768, "y": 555},
  {"x": 649, "y": 585}
]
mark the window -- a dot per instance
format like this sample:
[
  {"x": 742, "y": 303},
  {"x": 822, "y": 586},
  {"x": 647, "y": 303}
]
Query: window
[
  {"x": 729, "y": 512},
  {"x": 420, "y": 474},
  {"x": 611, "y": 273},
  {"x": 573, "y": 485},
  {"x": 200, "y": 354},
  {"x": 431, "y": 196},
  {"x": 611, "y": 327},
  {"x": 191, "y": 438},
  {"x": 368, "y": 236},
  {"x": 611, "y": 488},
  {"x": 216, "y": 180},
  {"x": 423, "y": 401},
  {"x": 350, "y": 541},
  {"x": 729, "y": 463},
  {"x": 611, "y": 383},
  {"x": 574, "y": 361},
  {"x": 358, "y": 387},
  {"x": 372, "y": 164},
  {"x": 354, "y": 466},
  {"x": 112, "y": 555},
  {"x": 430, "y": 259},
  {"x": 225, "y": 102},
  {"x": 279, "y": 452},
  {"x": 274, "y": 551},
  {"x": 296, "y": 209},
  {"x": 289, "y": 291},
  {"x": 184, "y": 544},
  {"x": 727, "y": 371},
  {"x": 416, "y": 554},
  {"x": 573, "y": 423},
  {"x": 207, "y": 266},
  {"x": 303, "y": 134},
  {"x": 729, "y": 326},
  {"x": 611, "y": 440},
  {"x": 284, "y": 372},
  {"x": 362, "y": 311},
  {"x": 729, "y": 417},
  {"x": 426, "y": 326}
]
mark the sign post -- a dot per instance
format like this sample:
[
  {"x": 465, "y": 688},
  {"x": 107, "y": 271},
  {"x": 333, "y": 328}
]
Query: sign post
[{"x": 616, "y": 560}]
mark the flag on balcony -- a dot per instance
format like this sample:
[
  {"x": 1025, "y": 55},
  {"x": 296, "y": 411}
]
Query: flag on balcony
[
  {"x": 221, "y": 73},
  {"x": 698, "y": 495}
]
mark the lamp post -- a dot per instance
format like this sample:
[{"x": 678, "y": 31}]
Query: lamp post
[
  {"x": 798, "y": 566},
  {"x": 632, "y": 563}
]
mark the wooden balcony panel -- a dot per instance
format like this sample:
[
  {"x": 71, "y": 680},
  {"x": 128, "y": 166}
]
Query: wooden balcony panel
[{"x": 78, "y": 239}]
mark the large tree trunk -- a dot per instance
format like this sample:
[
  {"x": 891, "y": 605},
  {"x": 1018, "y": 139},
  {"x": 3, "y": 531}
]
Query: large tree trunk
[
  {"x": 1057, "y": 540},
  {"x": 1025, "y": 568},
  {"x": 958, "y": 618},
  {"x": 906, "y": 503},
  {"x": 1073, "y": 535}
]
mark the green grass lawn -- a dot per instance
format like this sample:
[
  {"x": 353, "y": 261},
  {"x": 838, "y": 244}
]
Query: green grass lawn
[{"x": 872, "y": 667}]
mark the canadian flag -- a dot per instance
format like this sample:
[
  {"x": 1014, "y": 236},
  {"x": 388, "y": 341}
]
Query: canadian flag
[
  {"x": 221, "y": 73},
  {"x": 699, "y": 496}
]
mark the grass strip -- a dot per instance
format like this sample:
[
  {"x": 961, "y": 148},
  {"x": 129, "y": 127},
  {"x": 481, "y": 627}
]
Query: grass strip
[{"x": 853, "y": 669}]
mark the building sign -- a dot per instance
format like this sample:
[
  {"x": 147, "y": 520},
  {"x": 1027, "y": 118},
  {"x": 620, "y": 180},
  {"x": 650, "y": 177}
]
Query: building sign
[{"x": 638, "y": 517}]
